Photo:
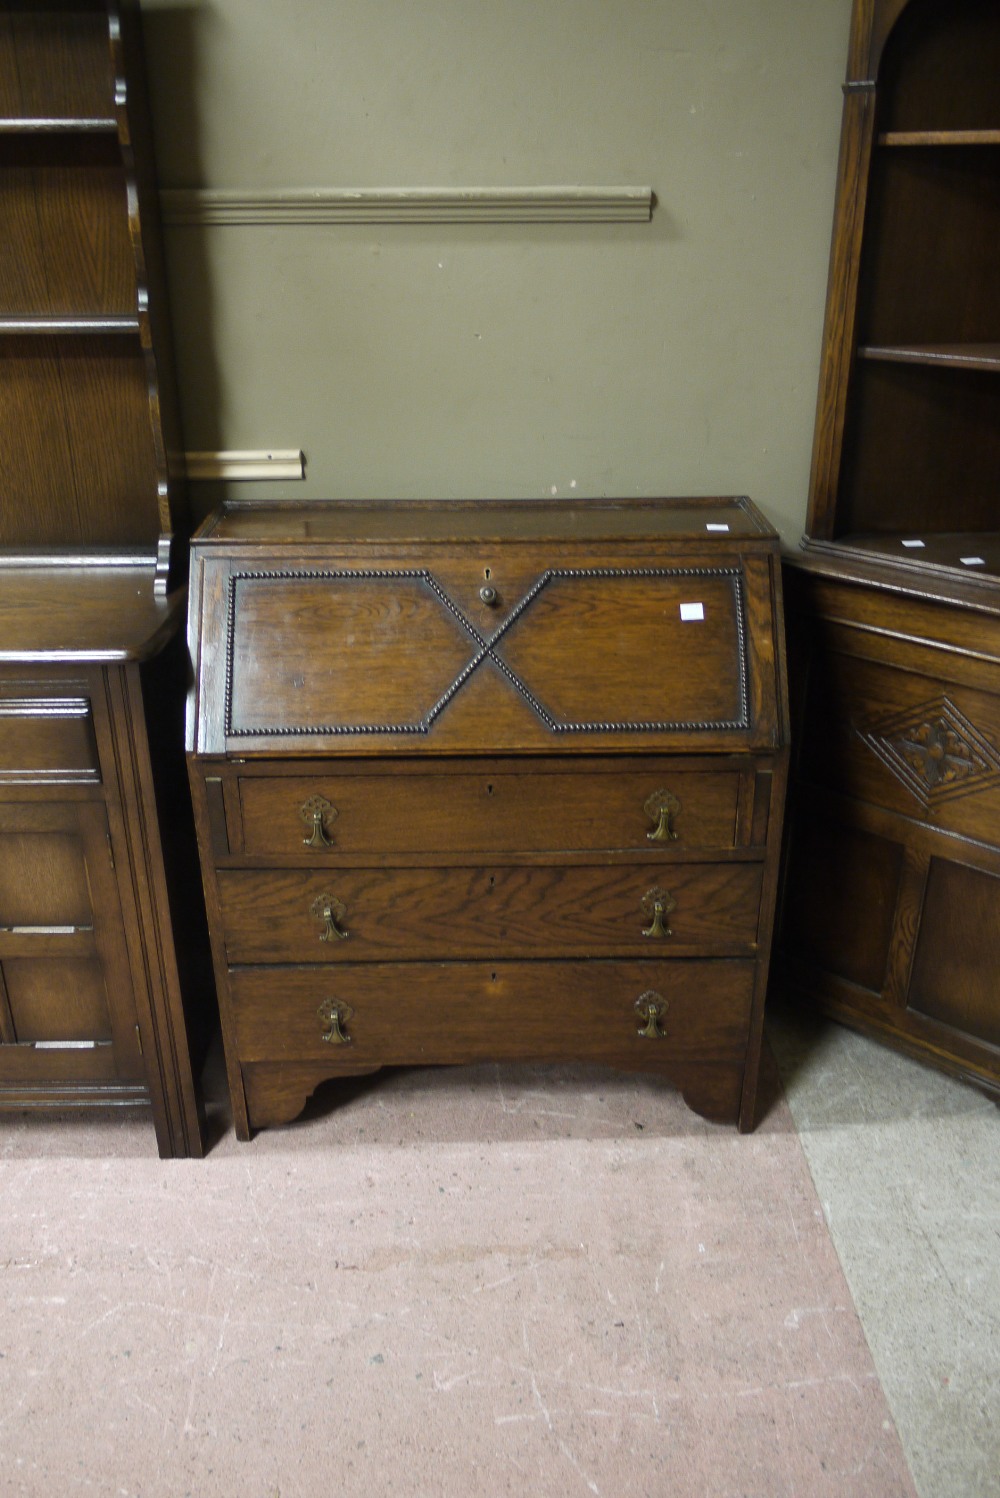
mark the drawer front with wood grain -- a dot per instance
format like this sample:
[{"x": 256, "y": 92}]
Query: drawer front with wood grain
[
  {"x": 664, "y": 809},
  {"x": 367, "y": 915},
  {"x": 628, "y": 1014},
  {"x": 64, "y": 976},
  {"x": 47, "y": 739}
]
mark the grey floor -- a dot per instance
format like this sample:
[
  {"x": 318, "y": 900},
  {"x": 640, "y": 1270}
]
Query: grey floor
[{"x": 906, "y": 1163}]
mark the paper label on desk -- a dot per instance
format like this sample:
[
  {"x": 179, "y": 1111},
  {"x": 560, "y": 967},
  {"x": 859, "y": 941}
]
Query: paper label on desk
[
  {"x": 692, "y": 611},
  {"x": 913, "y": 543},
  {"x": 973, "y": 561},
  {"x": 711, "y": 527}
]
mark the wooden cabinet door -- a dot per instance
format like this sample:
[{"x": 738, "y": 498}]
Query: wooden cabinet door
[{"x": 66, "y": 1001}]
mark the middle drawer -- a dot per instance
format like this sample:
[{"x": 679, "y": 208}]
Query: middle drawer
[{"x": 366, "y": 915}]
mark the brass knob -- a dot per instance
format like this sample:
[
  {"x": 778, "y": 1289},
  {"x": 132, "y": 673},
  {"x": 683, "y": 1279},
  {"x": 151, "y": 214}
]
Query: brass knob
[
  {"x": 651, "y": 1007},
  {"x": 333, "y": 1016},
  {"x": 656, "y": 904},
  {"x": 316, "y": 813},
  {"x": 661, "y": 807},
  {"x": 488, "y": 594},
  {"x": 331, "y": 911}
]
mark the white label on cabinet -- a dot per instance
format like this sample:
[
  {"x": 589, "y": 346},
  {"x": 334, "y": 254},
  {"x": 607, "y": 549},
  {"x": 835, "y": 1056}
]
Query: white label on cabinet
[
  {"x": 973, "y": 561},
  {"x": 65, "y": 1045},
  {"x": 692, "y": 611},
  {"x": 45, "y": 930},
  {"x": 711, "y": 527},
  {"x": 913, "y": 543}
]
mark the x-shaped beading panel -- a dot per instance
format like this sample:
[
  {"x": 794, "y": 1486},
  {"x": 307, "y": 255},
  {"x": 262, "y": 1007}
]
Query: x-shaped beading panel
[
  {"x": 486, "y": 650},
  {"x": 487, "y": 646}
]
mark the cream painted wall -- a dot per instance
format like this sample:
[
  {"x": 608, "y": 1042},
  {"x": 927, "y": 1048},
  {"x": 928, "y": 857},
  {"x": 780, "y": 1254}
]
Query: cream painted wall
[{"x": 675, "y": 357}]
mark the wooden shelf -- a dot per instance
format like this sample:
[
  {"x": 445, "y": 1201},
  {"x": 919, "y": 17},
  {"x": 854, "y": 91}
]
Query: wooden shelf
[
  {"x": 104, "y": 125},
  {"x": 972, "y": 555},
  {"x": 934, "y": 572},
  {"x": 52, "y": 326},
  {"x": 95, "y": 613},
  {"x": 940, "y": 138},
  {"x": 57, "y": 67},
  {"x": 64, "y": 207},
  {"x": 983, "y": 356},
  {"x": 78, "y": 452}
]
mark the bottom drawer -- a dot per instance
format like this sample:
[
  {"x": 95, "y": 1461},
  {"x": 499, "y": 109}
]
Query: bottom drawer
[{"x": 627, "y": 1014}]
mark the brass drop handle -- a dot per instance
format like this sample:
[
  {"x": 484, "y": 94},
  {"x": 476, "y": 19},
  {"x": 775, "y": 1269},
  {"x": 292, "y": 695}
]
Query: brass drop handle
[
  {"x": 661, "y": 807},
  {"x": 651, "y": 1007},
  {"x": 317, "y": 812},
  {"x": 331, "y": 912},
  {"x": 333, "y": 1016},
  {"x": 656, "y": 904}
]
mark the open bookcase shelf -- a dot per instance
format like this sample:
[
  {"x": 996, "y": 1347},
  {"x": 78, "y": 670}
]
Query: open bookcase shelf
[
  {"x": 87, "y": 413},
  {"x": 56, "y": 68},
  {"x": 960, "y": 570}
]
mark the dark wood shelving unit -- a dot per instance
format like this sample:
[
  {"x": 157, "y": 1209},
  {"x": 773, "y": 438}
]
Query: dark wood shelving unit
[
  {"x": 892, "y": 888},
  {"x": 101, "y": 941}
]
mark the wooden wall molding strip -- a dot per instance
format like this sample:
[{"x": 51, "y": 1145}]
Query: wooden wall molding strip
[
  {"x": 408, "y": 205},
  {"x": 265, "y": 463}
]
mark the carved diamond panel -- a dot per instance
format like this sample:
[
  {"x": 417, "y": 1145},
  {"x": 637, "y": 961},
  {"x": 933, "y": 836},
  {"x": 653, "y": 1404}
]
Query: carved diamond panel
[{"x": 935, "y": 752}]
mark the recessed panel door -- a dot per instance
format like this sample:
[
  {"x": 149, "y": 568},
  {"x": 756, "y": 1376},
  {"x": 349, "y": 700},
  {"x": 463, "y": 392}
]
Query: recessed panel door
[{"x": 64, "y": 978}]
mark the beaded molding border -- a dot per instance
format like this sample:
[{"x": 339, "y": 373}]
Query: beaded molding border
[{"x": 486, "y": 646}]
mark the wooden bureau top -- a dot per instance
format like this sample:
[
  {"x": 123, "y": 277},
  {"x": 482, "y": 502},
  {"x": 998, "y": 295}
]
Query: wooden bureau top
[
  {"x": 486, "y": 626},
  {"x": 440, "y": 522}
]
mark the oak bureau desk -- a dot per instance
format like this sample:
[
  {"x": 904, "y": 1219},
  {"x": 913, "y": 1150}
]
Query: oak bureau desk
[{"x": 488, "y": 781}]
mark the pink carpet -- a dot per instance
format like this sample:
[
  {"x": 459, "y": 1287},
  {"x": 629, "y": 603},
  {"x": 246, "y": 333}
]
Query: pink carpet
[{"x": 480, "y": 1282}]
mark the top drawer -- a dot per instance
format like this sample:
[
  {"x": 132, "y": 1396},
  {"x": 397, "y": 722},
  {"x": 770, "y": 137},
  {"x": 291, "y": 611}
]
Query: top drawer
[{"x": 498, "y": 810}]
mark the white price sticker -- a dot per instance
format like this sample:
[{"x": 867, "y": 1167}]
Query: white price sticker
[{"x": 692, "y": 611}]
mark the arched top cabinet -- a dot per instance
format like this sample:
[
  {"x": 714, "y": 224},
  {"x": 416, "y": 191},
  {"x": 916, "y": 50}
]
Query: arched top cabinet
[
  {"x": 906, "y": 462},
  {"x": 892, "y": 884}
]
